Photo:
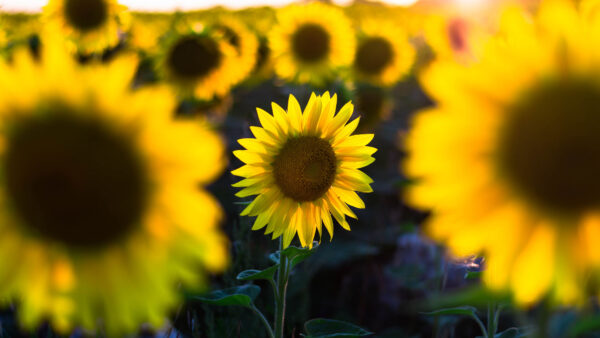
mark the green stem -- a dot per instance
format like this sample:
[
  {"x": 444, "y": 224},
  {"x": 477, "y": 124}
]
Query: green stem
[
  {"x": 491, "y": 320},
  {"x": 282, "y": 281},
  {"x": 481, "y": 326},
  {"x": 263, "y": 320}
]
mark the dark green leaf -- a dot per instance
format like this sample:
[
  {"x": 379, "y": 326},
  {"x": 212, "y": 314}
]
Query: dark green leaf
[
  {"x": 242, "y": 295},
  {"x": 329, "y": 328},
  {"x": 297, "y": 255},
  {"x": 474, "y": 296},
  {"x": 460, "y": 310},
  {"x": 268, "y": 274},
  {"x": 512, "y": 332},
  {"x": 473, "y": 275},
  {"x": 585, "y": 325},
  {"x": 274, "y": 257}
]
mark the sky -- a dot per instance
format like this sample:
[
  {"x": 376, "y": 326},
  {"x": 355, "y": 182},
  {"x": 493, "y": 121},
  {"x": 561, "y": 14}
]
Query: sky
[{"x": 168, "y": 5}]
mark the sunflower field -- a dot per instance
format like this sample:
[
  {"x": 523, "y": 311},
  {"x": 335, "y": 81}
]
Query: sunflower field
[{"x": 307, "y": 170}]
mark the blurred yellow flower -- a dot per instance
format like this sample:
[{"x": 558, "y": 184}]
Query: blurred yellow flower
[
  {"x": 508, "y": 160},
  {"x": 88, "y": 26},
  {"x": 304, "y": 167},
  {"x": 311, "y": 42},
  {"x": 102, "y": 216},
  {"x": 384, "y": 53},
  {"x": 243, "y": 40},
  {"x": 198, "y": 62}
]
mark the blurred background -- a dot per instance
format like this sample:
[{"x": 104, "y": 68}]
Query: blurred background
[{"x": 383, "y": 275}]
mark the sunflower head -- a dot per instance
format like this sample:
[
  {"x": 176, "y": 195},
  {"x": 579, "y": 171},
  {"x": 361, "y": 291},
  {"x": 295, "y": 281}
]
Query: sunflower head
[
  {"x": 99, "y": 200},
  {"x": 88, "y": 26},
  {"x": 304, "y": 167},
  {"x": 244, "y": 41},
  {"x": 199, "y": 62},
  {"x": 508, "y": 159},
  {"x": 383, "y": 54},
  {"x": 310, "y": 42}
]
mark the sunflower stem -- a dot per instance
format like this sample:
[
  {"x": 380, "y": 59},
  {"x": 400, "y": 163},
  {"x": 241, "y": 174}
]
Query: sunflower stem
[{"x": 282, "y": 281}]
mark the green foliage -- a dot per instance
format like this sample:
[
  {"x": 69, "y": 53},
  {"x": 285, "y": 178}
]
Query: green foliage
[
  {"x": 460, "y": 310},
  {"x": 329, "y": 328},
  {"x": 252, "y": 274},
  {"x": 243, "y": 295}
]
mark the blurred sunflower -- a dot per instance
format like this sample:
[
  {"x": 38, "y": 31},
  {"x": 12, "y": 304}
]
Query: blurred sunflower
[
  {"x": 198, "y": 62},
  {"x": 304, "y": 167},
  {"x": 311, "y": 42},
  {"x": 145, "y": 32},
  {"x": 384, "y": 53},
  {"x": 509, "y": 159},
  {"x": 451, "y": 36},
  {"x": 89, "y": 26},
  {"x": 243, "y": 40},
  {"x": 100, "y": 200}
]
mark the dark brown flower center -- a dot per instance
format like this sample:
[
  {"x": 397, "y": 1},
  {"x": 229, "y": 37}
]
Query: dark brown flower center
[
  {"x": 305, "y": 168},
  {"x": 74, "y": 180},
  {"x": 373, "y": 55},
  {"x": 86, "y": 15},
  {"x": 310, "y": 43},
  {"x": 194, "y": 57},
  {"x": 550, "y": 145}
]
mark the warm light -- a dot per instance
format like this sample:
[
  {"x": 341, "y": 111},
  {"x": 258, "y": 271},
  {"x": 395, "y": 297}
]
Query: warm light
[{"x": 171, "y": 5}]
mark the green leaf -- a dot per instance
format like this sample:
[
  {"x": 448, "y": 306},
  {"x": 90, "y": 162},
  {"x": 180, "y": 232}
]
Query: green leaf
[
  {"x": 297, "y": 255},
  {"x": 473, "y": 275},
  {"x": 585, "y": 325},
  {"x": 268, "y": 274},
  {"x": 274, "y": 257},
  {"x": 512, "y": 332},
  {"x": 474, "y": 296},
  {"x": 460, "y": 310},
  {"x": 329, "y": 328},
  {"x": 242, "y": 295}
]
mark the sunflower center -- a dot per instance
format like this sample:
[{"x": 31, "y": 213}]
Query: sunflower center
[
  {"x": 86, "y": 15},
  {"x": 550, "y": 145},
  {"x": 194, "y": 57},
  {"x": 311, "y": 43},
  {"x": 373, "y": 55},
  {"x": 305, "y": 168},
  {"x": 74, "y": 180}
]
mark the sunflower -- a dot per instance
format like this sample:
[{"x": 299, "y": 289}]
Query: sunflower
[
  {"x": 99, "y": 196},
  {"x": 508, "y": 160},
  {"x": 243, "y": 40},
  {"x": 198, "y": 61},
  {"x": 452, "y": 36},
  {"x": 89, "y": 26},
  {"x": 311, "y": 42},
  {"x": 304, "y": 167},
  {"x": 384, "y": 53},
  {"x": 145, "y": 32}
]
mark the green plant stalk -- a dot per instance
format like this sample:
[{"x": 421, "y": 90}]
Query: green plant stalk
[
  {"x": 282, "y": 281},
  {"x": 491, "y": 320},
  {"x": 263, "y": 320}
]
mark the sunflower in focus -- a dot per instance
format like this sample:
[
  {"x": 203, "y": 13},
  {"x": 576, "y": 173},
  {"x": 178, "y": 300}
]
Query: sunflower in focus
[
  {"x": 384, "y": 53},
  {"x": 508, "y": 161},
  {"x": 304, "y": 167},
  {"x": 243, "y": 40},
  {"x": 88, "y": 26},
  {"x": 311, "y": 42},
  {"x": 198, "y": 61},
  {"x": 100, "y": 200}
]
